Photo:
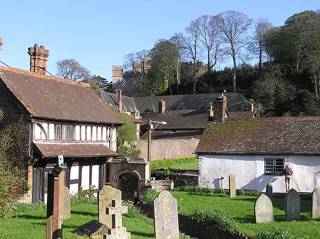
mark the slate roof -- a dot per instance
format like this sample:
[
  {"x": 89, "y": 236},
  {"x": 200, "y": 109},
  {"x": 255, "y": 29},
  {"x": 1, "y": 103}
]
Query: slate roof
[
  {"x": 74, "y": 150},
  {"x": 271, "y": 136},
  {"x": 56, "y": 99},
  {"x": 236, "y": 102}
]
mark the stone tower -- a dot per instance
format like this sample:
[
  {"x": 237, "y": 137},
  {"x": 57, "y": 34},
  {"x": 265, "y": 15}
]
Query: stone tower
[
  {"x": 117, "y": 74},
  {"x": 38, "y": 59}
]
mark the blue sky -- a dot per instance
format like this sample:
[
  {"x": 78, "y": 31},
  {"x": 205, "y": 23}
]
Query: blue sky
[{"x": 99, "y": 33}]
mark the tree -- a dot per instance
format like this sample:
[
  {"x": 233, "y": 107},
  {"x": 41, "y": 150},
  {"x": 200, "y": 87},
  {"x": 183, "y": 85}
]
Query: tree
[
  {"x": 164, "y": 57},
  {"x": 210, "y": 37},
  {"x": 234, "y": 27},
  {"x": 98, "y": 83},
  {"x": 257, "y": 45},
  {"x": 72, "y": 70}
]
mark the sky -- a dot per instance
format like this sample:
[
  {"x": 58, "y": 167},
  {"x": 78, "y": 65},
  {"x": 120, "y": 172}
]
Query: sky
[{"x": 99, "y": 33}]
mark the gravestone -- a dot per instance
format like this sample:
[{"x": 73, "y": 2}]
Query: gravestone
[
  {"x": 166, "y": 216},
  {"x": 65, "y": 208},
  {"x": 106, "y": 195},
  {"x": 232, "y": 186},
  {"x": 316, "y": 203},
  {"x": 269, "y": 190},
  {"x": 263, "y": 209},
  {"x": 292, "y": 205}
]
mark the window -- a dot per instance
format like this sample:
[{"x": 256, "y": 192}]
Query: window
[
  {"x": 64, "y": 132},
  {"x": 273, "y": 165},
  {"x": 58, "y": 132},
  {"x": 70, "y": 132}
]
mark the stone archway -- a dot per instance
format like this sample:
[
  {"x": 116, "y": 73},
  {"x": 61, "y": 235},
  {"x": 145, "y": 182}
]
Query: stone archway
[{"x": 129, "y": 186}]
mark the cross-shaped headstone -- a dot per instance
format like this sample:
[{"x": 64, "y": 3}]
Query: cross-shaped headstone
[{"x": 116, "y": 212}]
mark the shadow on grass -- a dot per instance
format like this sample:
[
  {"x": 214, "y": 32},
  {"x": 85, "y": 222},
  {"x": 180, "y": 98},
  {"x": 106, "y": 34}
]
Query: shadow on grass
[
  {"x": 31, "y": 217},
  {"x": 142, "y": 234},
  {"x": 92, "y": 214}
]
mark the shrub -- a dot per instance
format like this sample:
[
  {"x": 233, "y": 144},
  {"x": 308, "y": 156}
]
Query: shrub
[
  {"x": 149, "y": 196},
  {"x": 275, "y": 233},
  {"x": 133, "y": 211},
  {"x": 85, "y": 196},
  {"x": 215, "y": 217}
]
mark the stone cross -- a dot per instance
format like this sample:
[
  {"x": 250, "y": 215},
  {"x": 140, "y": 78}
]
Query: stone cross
[
  {"x": 292, "y": 205},
  {"x": 263, "y": 209},
  {"x": 269, "y": 190},
  {"x": 316, "y": 203},
  {"x": 232, "y": 186},
  {"x": 110, "y": 213},
  {"x": 166, "y": 216}
]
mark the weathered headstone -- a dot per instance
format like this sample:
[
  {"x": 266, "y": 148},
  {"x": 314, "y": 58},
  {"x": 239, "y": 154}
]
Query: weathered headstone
[
  {"x": 166, "y": 216},
  {"x": 263, "y": 209},
  {"x": 65, "y": 208},
  {"x": 292, "y": 205},
  {"x": 316, "y": 203},
  {"x": 232, "y": 186},
  {"x": 269, "y": 190},
  {"x": 110, "y": 213}
]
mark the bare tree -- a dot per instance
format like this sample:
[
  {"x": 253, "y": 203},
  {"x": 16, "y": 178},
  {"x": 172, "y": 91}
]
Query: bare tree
[
  {"x": 210, "y": 38},
  {"x": 234, "y": 26},
  {"x": 192, "y": 50},
  {"x": 137, "y": 62},
  {"x": 257, "y": 46},
  {"x": 72, "y": 70}
]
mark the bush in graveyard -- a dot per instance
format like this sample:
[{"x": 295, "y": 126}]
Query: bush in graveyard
[
  {"x": 275, "y": 233},
  {"x": 133, "y": 211},
  {"x": 216, "y": 218},
  {"x": 149, "y": 196},
  {"x": 85, "y": 196},
  {"x": 12, "y": 178}
]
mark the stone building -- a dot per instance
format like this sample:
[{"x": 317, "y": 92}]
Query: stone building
[{"x": 61, "y": 117}]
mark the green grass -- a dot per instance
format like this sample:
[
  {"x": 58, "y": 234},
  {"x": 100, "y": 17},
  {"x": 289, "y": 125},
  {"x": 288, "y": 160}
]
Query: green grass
[
  {"x": 30, "y": 223},
  {"x": 242, "y": 210},
  {"x": 179, "y": 164}
]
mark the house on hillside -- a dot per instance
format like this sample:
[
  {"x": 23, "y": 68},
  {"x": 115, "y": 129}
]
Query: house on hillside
[
  {"x": 61, "y": 117},
  {"x": 186, "y": 117},
  {"x": 256, "y": 152}
]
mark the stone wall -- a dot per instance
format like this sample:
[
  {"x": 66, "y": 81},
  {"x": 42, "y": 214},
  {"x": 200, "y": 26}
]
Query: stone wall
[{"x": 169, "y": 148}]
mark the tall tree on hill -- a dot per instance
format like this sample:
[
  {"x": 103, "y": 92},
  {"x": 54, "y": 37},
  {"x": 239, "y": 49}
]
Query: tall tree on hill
[
  {"x": 193, "y": 51},
  {"x": 164, "y": 57},
  {"x": 234, "y": 27},
  {"x": 210, "y": 38},
  {"x": 257, "y": 45},
  {"x": 72, "y": 70}
]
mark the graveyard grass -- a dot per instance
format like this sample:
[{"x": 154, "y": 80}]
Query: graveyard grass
[
  {"x": 176, "y": 164},
  {"x": 241, "y": 209},
  {"x": 31, "y": 223}
]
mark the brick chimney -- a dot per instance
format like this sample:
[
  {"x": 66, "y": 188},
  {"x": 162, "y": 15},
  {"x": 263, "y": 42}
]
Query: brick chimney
[
  {"x": 220, "y": 109},
  {"x": 38, "y": 59},
  {"x": 162, "y": 106},
  {"x": 119, "y": 96}
]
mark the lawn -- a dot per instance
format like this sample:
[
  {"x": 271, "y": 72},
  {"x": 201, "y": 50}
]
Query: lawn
[
  {"x": 242, "y": 210},
  {"x": 178, "y": 164},
  {"x": 31, "y": 223}
]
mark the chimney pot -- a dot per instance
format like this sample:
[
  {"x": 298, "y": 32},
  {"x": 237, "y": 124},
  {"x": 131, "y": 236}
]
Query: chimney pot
[
  {"x": 220, "y": 109},
  {"x": 119, "y": 95}
]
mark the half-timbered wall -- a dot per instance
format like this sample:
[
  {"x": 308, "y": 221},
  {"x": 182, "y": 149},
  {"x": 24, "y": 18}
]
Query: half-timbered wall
[{"x": 62, "y": 132}]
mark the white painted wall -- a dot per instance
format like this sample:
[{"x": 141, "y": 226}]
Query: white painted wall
[
  {"x": 249, "y": 172},
  {"x": 74, "y": 174},
  {"x": 51, "y": 131},
  {"x": 77, "y": 132},
  {"x": 85, "y": 177},
  {"x": 95, "y": 176}
]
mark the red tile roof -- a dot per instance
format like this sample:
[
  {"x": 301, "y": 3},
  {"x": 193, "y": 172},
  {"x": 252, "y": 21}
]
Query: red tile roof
[
  {"x": 74, "y": 150},
  {"x": 278, "y": 135},
  {"x": 57, "y": 99}
]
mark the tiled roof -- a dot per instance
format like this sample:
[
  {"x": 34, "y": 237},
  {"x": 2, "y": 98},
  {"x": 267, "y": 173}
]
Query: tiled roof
[
  {"x": 74, "y": 150},
  {"x": 57, "y": 99},
  {"x": 272, "y": 136}
]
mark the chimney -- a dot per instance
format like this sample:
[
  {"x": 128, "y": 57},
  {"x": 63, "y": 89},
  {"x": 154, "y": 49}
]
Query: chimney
[
  {"x": 220, "y": 109},
  {"x": 119, "y": 95},
  {"x": 210, "y": 112},
  {"x": 38, "y": 59},
  {"x": 162, "y": 106},
  {"x": 1, "y": 41}
]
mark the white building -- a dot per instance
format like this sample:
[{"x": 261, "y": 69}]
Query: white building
[{"x": 256, "y": 150}]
